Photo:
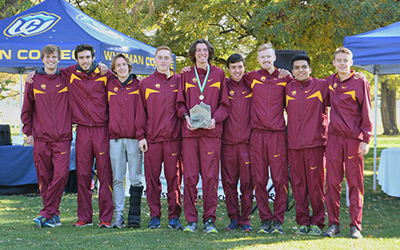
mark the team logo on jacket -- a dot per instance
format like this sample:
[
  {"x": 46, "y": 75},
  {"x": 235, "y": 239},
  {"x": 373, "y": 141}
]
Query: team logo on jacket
[
  {"x": 115, "y": 89},
  {"x": 263, "y": 78},
  {"x": 294, "y": 92},
  {"x": 31, "y": 24},
  {"x": 231, "y": 93},
  {"x": 158, "y": 85},
  {"x": 335, "y": 85},
  {"x": 194, "y": 80},
  {"x": 43, "y": 86}
]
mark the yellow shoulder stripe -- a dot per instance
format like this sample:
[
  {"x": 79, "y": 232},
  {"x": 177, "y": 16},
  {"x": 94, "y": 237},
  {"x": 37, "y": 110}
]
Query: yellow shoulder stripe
[
  {"x": 73, "y": 77},
  {"x": 352, "y": 93},
  {"x": 288, "y": 98},
  {"x": 230, "y": 97},
  {"x": 330, "y": 87},
  {"x": 65, "y": 89},
  {"x": 149, "y": 91},
  {"x": 103, "y": 79},
  {"x": 176, "y": 90},
  {"x": 110, "y": 94},
  {"x": 249, "y": 95},
  {"x": 282, "y": 84},
  {"x": 316, "y": 94},
  {"x": 36, "y": 91},
  {"x": 188, "y": 85},
  {"x": 255, "y": 82},
  {"x": 136, "y": 92},
  {"x": 217, "y": 84}
]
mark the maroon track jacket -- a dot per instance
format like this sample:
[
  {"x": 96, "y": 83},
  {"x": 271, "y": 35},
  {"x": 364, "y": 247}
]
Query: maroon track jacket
[
  {"x": 237, "y": 127},
  {"x": 156, "y": 118},
  {"x": 307, "y": 118},
  {"x": 122, "y": 102},
  {"x": 268, "y": 99},
  {"x": 45, "y": 112},
  {"x": 350, "y": 108},
  {"x": 88, "y": 98},
  {"x": 215, "y": 95}
]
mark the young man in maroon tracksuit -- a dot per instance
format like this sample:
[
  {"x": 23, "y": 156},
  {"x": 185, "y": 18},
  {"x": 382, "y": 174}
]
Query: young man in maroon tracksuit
[
  {"x": 159, "y": 135},
  {"x": 47, "y": 123},
  {"x": 88, "y": 100},
  {"x": 349, "y": 133},
  {"x": 235, "y": 152},
  {"x": 268, "y": 138},
  {"x": 201, "y": 148},
  {"x": 307, "y": 123},
  {"x": 123, "y": 94}
]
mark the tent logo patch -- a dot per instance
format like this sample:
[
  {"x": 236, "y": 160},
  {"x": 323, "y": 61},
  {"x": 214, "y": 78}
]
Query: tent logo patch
[
  {"x": 99, "y": 27},
  {"x": 31, "y": 24}
]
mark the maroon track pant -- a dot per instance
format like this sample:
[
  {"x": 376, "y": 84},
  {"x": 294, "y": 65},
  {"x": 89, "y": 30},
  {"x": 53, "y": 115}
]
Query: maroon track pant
[
  {"x": 307, "y": 172},
  {"x": 52, "y": 167},
  {"x": 93, "y": 142},
  {"x": 235, "y": 165},
  {"x": 268, "y": 148},
  {"x": 201, "y": 155},
  {"x": 342, "y": 156},
  {"x": 168, "y": 152}
]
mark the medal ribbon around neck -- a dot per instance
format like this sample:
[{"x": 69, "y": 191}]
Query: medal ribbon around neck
[{"x": 202, "y": 86}]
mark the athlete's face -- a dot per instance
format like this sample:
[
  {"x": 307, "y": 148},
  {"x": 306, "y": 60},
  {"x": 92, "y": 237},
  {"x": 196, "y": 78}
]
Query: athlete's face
[
  {"x": 301, "y": 70},
  {"x": 236, "y": 70},
  {"x": 50, "y": 61},
  {"x": 121, "y": 68},
  {"x": 163, "y": 61},
  {"x": 342, "y": 63},
  {"x": 266, "y": 59},
  {"x": 85, "y": 60},
  {"x": 201, "y": 53}
]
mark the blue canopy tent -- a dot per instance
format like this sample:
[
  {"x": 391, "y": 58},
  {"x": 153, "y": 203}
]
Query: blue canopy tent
[
  {"x": 57, "y": 22},
  {"x": 378, "y": 52}
]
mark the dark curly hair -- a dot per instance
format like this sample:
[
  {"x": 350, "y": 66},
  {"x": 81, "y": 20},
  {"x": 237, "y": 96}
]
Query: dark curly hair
[
  {"x": 192, "y": 50},
  {"x": 83, "y": 47}
]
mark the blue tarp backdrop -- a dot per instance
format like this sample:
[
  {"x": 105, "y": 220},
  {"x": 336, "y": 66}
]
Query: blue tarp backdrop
[{"x": 57, "y": 22}]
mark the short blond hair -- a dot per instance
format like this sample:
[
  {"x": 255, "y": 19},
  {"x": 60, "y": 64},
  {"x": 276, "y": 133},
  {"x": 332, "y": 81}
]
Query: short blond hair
[
  {"x": 164, "y": 48},
  {"x": 265, "y": 46},
  {"x": 343, "y": 50}
]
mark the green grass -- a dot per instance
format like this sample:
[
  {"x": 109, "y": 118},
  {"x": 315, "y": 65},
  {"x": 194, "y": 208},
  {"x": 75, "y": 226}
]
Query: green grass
[{"x": 381, "y": 226}]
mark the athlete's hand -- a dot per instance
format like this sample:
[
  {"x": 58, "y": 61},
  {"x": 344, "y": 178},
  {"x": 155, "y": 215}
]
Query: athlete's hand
[
  {"x": 30, "y": 140},
  {"x": 29, "y": 76},
  {"x": 359, "y": 75},
  {"x": 363, "y": 148},
  {"x": 185, "y": 69},
  {"x": 188, "y": 123},
  {"x": 103, "y": 68},
  {"x": 283, "y": 73},
  {"x": 212, "y": 125},
  {"x": 143, "y": 145}
]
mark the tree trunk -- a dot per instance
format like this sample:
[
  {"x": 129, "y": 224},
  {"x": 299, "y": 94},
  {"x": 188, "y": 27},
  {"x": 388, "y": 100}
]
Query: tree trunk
[{"x": 388, "y": 109}]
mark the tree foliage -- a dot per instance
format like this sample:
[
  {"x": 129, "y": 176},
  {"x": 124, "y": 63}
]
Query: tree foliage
[
  {"x": 9, "y": 87},
  {"x": 317, "y": 26}
]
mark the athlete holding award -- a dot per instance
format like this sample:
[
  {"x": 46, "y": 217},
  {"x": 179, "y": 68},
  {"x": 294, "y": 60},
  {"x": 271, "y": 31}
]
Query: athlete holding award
[{"x": 204, "y": 85}]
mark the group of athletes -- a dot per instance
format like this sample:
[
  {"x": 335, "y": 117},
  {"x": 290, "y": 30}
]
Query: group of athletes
[{"x": 120, "y": 116}]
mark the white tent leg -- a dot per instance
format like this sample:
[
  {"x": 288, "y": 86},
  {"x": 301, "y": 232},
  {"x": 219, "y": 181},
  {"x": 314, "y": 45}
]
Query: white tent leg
[
  {"x": 375, "y": 124},
  {"x": 21, "y": 97}
]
